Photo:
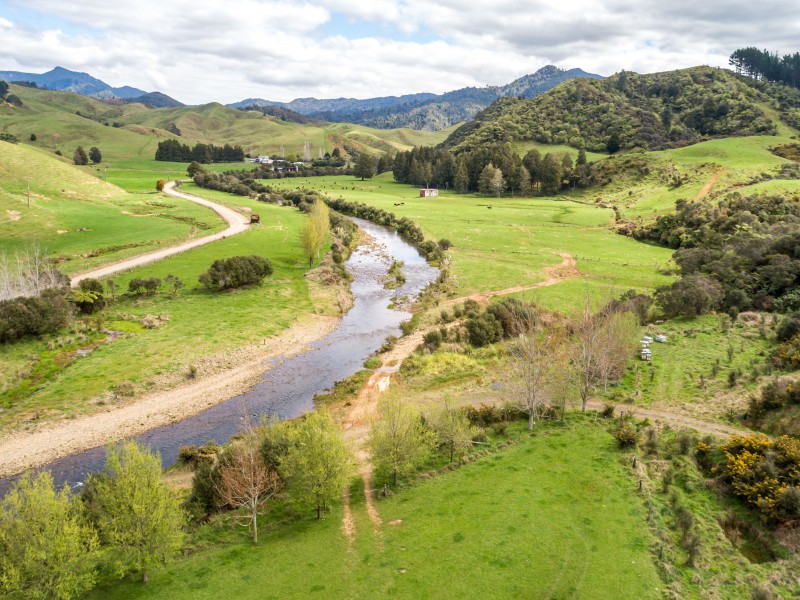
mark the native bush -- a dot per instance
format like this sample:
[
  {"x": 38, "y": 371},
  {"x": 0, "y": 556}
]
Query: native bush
[
  {"x": 237, "y": 271},
  {"x": 23, "y": 316}
]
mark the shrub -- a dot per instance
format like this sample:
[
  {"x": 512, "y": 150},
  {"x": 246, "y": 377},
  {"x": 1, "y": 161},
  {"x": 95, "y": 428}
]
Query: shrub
[
  {"x": 90, "y": 298},
  {"x": 760, "y": 470},
  {"x": 432, "y": 339},
  {"x": 136, "y": 286},
  {"x": 151, "y": 285},
  {"x": 625, "y": 434},
  {"x": 788, "y": 328},
  {"x": 484, "y": 330},
  {"x": 683, "y": 443},
  {"x": 237, "y": 271},
  {"x": 35, "y": 315}
]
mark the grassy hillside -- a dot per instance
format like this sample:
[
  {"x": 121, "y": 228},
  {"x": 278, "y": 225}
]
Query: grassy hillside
[
  {"x": 63, "y": 120},
  {"x": 649, "y": 111},
  {"x": 553, "y": 516},
  {"x": 83, "y": 220},
  {"x": 259, "y": 134}
]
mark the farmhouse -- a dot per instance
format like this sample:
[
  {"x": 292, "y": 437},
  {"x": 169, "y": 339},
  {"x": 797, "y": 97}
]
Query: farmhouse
[{"x": 428, "y": 193}]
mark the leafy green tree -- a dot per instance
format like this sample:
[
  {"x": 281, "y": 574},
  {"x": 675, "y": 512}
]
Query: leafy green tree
[
  {"x": 315, "y": 230},
  {"x": 95, "y": 155},
  {"x": 613, "y": 145},
  {"x": 399, "y": 442},
  {"x": 364, "y": 169},
  {"x": 79, "y": 156},
  {"x": 47, "y": 549},
  {"x": 490, "y": 180},
  {"x": 33, "y": 137},
  {"x": 550, "y": 174},
  {"x": 138, "y": 517},
  {"x": 581, "y": 157},
  {"x": 525, "y": 183},
  {"x": 317, "y": 463},
  {"x": 3, "y": 90},
  {"x": 454, "y": 432}
]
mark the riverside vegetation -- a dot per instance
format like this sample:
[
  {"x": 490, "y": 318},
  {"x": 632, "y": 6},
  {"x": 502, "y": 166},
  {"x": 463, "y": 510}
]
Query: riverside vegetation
[{"x": 590, "y": 503}]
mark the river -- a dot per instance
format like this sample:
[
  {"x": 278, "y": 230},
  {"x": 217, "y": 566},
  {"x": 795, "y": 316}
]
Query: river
[{"x": 288, "y": 388}]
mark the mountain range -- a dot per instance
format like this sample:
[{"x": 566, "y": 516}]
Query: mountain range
[
  {"x": 430, "y": 112},
  {"x": 64, "y": 80}
]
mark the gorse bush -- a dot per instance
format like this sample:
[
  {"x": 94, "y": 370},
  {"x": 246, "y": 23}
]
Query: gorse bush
[
  {"x": 237, "y": 271},
  {"x": 764, "y": 473}
]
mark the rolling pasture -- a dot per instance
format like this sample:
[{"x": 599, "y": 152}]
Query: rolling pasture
[
  {"x": 500, "y": 243},
  {"x": 553, "y": 516}
]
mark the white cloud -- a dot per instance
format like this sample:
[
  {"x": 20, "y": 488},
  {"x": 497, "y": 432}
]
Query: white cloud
[{"x": 198, "y": 51}]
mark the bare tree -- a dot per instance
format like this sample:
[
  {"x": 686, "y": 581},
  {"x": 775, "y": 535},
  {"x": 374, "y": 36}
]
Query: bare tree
[
  {"x": 619, "y": 331},
  {"x": 587, "y": 350},
  {"x": 28, "y": 273},
  {"x": 245, "y": 480},
  {"x": 602, "y": 343},
  {"x": 538, "y": 362}
]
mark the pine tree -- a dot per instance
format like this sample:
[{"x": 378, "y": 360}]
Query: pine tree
[
  {"x": 95, "y": 155},
  {"x": 364, "y": 167},
  {"x": 462, "y": 177},
  {"x": 79, "y": 157}
]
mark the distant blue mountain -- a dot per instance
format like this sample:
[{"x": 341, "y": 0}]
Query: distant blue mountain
[
  {"x": 64, "y": 80},
  {"x": 420, "y": 111}
]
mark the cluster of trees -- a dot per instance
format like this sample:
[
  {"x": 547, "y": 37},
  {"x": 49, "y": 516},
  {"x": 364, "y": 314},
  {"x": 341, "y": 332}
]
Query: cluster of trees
[
  {"x": 56, "y": 545},
  {"x": 174, "y": 151},
  {"x": 236, "y": 271},
  {"x": 545, "y": 350},
  {"x": 79, "y": 157},
  {"x": 740, "y": 254},
  {"x": 306, "y": 460},
  {"x": 761, "y": 64},
  {"x": 6, "y": 97},
  {"x": 491, "y": 170},
  {"x": 626, "y": 110}
]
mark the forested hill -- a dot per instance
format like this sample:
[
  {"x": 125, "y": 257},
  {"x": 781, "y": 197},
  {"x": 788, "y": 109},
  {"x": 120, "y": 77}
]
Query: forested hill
[
  {"x": 628, "y": 110},
  {"x": 428, "y": 112}
]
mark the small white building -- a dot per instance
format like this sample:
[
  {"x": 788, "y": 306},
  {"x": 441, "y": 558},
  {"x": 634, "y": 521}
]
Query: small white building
[
  {"x": 428, "y": 193},
  {"x": 646, "y": 354}
]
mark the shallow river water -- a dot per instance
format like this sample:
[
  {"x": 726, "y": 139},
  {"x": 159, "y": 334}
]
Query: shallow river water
[{"x": 287, "y": 390}]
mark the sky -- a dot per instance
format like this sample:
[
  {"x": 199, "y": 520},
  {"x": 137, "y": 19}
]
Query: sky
[{"x": 200, "y": 51}]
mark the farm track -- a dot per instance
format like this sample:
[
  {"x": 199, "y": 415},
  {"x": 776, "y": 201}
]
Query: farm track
[
  {"x": 706, "y": 189},
  {"x": 237, "y": 223}
]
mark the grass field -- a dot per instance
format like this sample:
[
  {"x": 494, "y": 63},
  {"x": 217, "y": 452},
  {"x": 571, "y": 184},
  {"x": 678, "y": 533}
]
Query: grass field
[
  {"x": 691, "y": 371},
  {"x": 229, "y": 320},
  {"x": 553, "y": 516},
  {"x": 83, "y": 220},
  {"x": 505, "y": 242}
]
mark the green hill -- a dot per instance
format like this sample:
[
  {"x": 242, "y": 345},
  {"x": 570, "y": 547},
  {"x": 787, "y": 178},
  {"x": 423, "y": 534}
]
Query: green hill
[
  {"x": 81, "y": 219},
  {"x": 63, "y": 120},
  {"x": 655, "y": 111}
]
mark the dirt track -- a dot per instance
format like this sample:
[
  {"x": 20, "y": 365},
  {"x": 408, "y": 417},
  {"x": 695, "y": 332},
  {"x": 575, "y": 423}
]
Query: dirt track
[{"x": 237, "y": 223}]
